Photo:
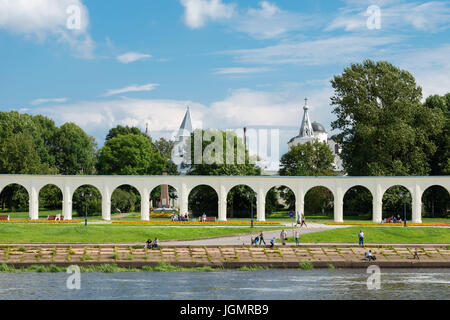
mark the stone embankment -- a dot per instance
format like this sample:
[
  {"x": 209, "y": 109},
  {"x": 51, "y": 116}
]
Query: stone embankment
[{"x": 321, "y": 256}]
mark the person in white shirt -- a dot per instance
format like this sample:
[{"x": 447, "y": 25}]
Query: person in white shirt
[
  {"x": 361, "y": 238},
  {"x": 283, "y": 236},
  {"x": 296, "y": 235}
]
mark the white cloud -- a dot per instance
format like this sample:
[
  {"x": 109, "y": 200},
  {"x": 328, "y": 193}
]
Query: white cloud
[
  {"x": 130, "y": 57},
  {"x": 344, "y": 49},
  {"x": 199, "y": 12},
  {"x": 132, "y": 88},
  {"x": 40, "y": 101},
  {"x": 41, "y": 19},
  {"x": 269, "y": 21},
  {"x": 238, "y": 70}
]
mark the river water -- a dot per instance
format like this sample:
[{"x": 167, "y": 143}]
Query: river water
[{"x": 277, "y": 284}]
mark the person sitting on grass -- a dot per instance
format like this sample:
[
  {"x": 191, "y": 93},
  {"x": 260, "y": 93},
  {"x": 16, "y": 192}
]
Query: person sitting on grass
[
  {"x": 416, "y": 254},
  {"x": 272, "y": 242},
  {"x": 155, "y": 244},
  {"x": 148, "y": 244},
  {"x": 369, "y": 256}
]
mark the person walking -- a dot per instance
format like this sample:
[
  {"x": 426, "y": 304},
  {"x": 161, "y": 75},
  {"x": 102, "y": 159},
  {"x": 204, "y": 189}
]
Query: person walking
[
  {"x": 361, "y": 238},
  {"x": 283, "y": 236},
  {"x": 261, "y": 239},
  {"x": 296, "y": 236},
  {"x": 303, "y": 221}
]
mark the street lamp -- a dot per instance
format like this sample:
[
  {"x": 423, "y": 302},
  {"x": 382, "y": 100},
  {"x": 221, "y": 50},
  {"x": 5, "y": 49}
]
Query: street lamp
[
  {"x": 251, "y": 208},
  {"x": 404, "y": 195}
]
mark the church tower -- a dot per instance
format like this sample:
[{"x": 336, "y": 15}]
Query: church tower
[{"x": 181, "y": 149}]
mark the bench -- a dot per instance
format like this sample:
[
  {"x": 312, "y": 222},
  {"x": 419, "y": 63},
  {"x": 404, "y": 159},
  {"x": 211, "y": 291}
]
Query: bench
[
  {"x": 209, "y": 219},
  {"x": 4, "y": 217},
  {"x": 54, "y": 218}
]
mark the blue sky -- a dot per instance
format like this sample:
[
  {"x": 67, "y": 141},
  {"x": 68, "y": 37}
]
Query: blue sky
[{"x": 236, "y": 63}]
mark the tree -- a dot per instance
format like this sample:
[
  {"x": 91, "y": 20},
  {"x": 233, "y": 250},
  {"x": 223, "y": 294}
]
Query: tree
[
  {"x": 384, "y": 128},
  {"x": 75, "y": 151},
  {"x": 130, "y": 154},
  {"x": 121, "y": 130},
  {"x": 309, "y": 159},
  {"x": 440, "y": 161}
]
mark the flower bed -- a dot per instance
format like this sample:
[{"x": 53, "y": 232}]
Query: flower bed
[
  {"x": 198, "y": 223},
  {"x": 40, "y": 221},
  {"x": 388, "y": 224}
]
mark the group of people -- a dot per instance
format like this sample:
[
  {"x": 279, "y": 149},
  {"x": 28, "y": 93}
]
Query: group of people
[
  {"x": 149, "y": 244},
  {"x": 259, "y": 239},
  {"x": 393, "y": 219},
  {"x": 181, "y": 217}
]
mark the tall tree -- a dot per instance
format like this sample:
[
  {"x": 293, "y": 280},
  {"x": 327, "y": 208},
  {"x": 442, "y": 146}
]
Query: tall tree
[
  {"x": 75, "y": 151},
  {"x": 384, "y": 128},
  {"x": 130, "y": 154}
]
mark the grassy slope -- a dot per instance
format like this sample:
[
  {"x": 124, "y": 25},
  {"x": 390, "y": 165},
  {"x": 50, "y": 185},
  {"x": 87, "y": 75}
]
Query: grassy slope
[
  {"x": 27, "y": 233},
  {"x": 381, "y": 235}
]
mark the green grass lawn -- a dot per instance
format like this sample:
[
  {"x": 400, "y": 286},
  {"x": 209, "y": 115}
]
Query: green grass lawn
[
  {"x": 28, "y": 233},
  {"x": 380, "y": 235}
]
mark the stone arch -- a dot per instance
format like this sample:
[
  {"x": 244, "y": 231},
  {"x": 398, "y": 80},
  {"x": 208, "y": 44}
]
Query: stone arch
[
  {"x": 319, "y": 201},
  {"x": 281, "y": 197},
  {"x": 15, "y": 197},
  {"x": 125, "y": 198},
  {"x": 241, "y": 201},
  {"x": 155, "y": 196},
  {"x": 357, "y": 201},
  {"x": 87, "y": 197},
  {"x": 51, "y": 197},
  {"x": 397, "y": 200},
  {"x": 435, "y": 201},
  {"x": 203, "y": 198}
]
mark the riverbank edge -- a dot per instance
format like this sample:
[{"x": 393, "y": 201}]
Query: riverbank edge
[{"x": 251, "y": 265}]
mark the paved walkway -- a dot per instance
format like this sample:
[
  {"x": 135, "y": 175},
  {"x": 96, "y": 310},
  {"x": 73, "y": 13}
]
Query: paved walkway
[{"x": 245, "y": 239}]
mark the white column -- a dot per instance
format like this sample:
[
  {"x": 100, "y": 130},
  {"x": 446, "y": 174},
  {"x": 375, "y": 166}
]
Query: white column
[
  {"x": 106, "y": 204},
  {"x": 261, "y": 205},
  {"x": 338, "y": 205},
  {"x": 34, "y": 204},
  {"x": 299, "y": 203},
  {"x": 417, "y": 205},
  {"x": 377, "y": 204},
  {"x": 184, "y": 198},
  {"x": 222, "y": 203},
  {"x": 145, "y": 204},
  {"x": 67, "y": 203}
]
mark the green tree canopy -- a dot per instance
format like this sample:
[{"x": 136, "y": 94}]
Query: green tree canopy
[
  {"x": 75, "y": 151},
  {"x": 384, "y": 128},
  {"x": 309, "y": 159},
  {"x": 130, "y": 154}
]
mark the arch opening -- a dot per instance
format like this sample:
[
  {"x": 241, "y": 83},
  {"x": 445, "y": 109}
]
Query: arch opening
[
  {"x": 279, "y": 201},
  {"x": 397, "y": 204},
  {"x": 203, "y": 199},
  {"x": 163, "y": 198},
  {"x": 241, "y": 202},
  {"x": 125, "y": 199},
  {"x": 358, "y": 203},
  {"x": 87, "y": 201},
  {"x": 50, "y": 200},
  {"x": 436, "y": 202},
  {"x": 14, "y": 201},
  {"x": 319, "y": 203}
]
